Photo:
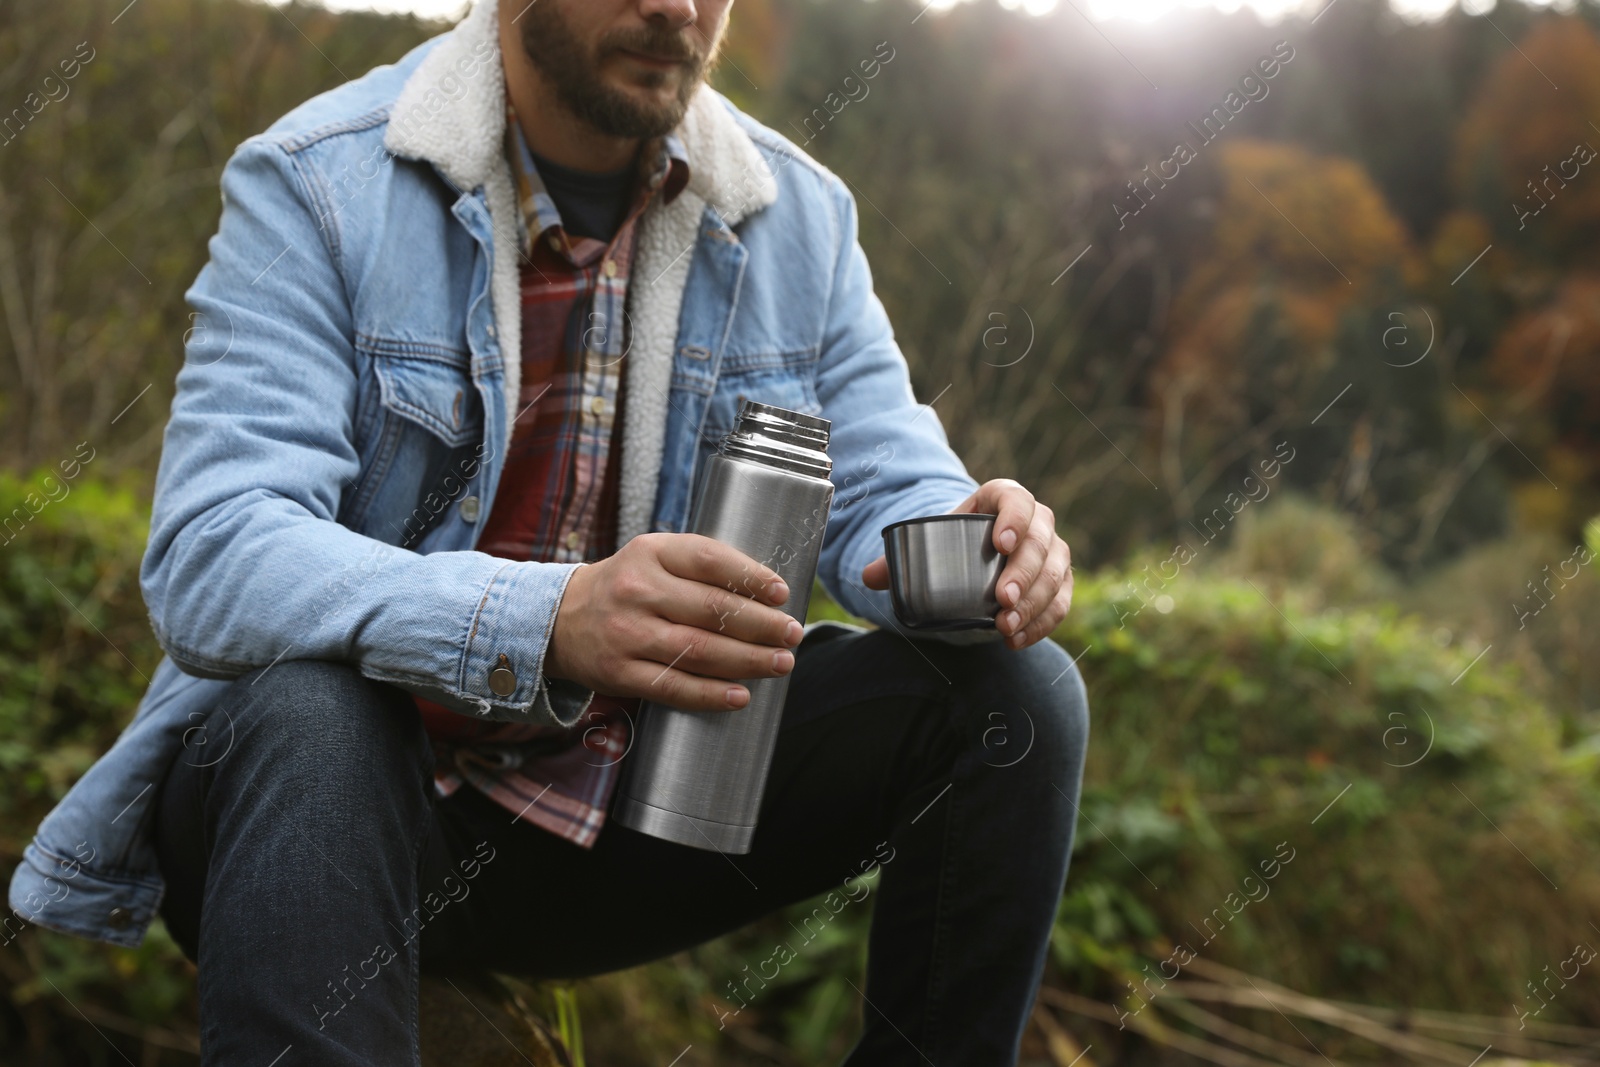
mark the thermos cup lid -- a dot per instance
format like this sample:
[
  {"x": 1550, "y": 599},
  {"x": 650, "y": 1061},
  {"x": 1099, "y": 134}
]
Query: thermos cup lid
[{"x": 943, "y": 570}]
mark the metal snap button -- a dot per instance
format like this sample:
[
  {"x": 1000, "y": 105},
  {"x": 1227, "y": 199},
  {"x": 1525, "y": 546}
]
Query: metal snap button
[
  {"x": 469, "y": 509},
  {"x": 489, "y": 329},
  {"x": 119, "y": 918},
  {"x": 502, "y": 680}
]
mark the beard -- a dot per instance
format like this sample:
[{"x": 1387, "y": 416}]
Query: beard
[{"x": 574, "y": 73}]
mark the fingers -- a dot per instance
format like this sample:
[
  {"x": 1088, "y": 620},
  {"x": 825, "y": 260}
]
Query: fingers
[
  {"x": 709, "y": 655},
  {"x": 695, "y": 670},
  {"x": 1047, "y": 620},
  {"x": 680, "y": 689},
  {"x": 875, "y": 575},
  {"x": 1028, "y": 558},
  {"x": 1038, "y": 597},
  {"x": 700, "y": 559},
  {"x": 1014, "y": 509},
  {"x": 725, "y": 613}
]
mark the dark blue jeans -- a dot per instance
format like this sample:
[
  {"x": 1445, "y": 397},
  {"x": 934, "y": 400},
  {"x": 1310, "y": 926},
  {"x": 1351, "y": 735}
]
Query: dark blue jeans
[{"x": 312, "y": 871}]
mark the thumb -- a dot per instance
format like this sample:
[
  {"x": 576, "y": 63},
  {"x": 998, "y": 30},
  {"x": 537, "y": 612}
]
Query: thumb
[{"x": 875, "y": 575}]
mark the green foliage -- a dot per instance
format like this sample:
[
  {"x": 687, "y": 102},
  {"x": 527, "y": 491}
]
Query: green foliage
[
  {"x": 75, "y": 648},
  {"x": 1422, "y": 798},
  {"x": 1222, "y": 729},
  {"x": 75, "y": 653},
  {"x": 1390, "y": 766}
]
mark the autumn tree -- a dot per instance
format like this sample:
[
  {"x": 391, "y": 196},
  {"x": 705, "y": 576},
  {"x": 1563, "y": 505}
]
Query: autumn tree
[{"x": 1520, "y": 149}]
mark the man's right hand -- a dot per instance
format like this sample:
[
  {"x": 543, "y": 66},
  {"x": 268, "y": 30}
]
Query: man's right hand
[{"x": 673, "y": 618}]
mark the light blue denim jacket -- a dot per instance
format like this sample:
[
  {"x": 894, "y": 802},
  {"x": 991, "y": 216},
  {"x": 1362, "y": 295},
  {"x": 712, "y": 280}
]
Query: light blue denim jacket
[{"x": 338, "y": 428}]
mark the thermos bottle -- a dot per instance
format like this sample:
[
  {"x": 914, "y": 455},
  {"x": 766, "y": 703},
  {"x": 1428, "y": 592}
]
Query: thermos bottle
[{"x": 696, "y": 777}]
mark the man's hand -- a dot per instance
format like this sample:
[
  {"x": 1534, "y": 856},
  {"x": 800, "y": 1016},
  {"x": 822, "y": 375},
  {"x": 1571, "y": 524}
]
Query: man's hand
[
  {"x": 1035, "y": 588},
  {"x": 674, "y": 618}
]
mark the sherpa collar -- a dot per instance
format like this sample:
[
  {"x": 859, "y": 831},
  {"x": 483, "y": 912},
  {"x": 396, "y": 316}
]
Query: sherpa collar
[
  {"x": 456, "y": 122},
  {"x": 465, "y": 123}
]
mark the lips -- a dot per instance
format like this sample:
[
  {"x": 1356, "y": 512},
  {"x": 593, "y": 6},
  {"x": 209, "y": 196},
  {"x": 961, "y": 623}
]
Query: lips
[{"x": 653, "y": 60}]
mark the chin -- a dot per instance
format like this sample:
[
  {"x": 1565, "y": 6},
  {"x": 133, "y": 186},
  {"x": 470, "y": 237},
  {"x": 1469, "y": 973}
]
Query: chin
[
  {"x": 645, "y": 85},
  {"x": 659, "y": 94}
]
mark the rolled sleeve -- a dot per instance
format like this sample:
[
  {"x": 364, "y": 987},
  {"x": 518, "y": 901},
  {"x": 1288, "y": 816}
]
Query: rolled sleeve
[{"x": 511, "y": 631}]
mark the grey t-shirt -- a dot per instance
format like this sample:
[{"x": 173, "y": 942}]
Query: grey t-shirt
[{"x": 591, "y": 205}]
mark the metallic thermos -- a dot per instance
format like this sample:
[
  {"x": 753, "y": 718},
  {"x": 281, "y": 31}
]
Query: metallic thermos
[{"x": 696, "y": 777}]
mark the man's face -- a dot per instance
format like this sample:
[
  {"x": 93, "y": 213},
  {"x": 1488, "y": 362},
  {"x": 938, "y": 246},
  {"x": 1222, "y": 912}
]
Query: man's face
[{"x": 628, "y": 68}]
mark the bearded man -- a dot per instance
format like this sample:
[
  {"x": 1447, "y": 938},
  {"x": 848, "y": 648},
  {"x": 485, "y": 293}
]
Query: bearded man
[{"x": 469, "y": 326}]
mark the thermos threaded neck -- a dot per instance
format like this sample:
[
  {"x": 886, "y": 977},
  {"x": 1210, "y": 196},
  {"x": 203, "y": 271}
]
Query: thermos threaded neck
[{"x": 778, "y": 437}]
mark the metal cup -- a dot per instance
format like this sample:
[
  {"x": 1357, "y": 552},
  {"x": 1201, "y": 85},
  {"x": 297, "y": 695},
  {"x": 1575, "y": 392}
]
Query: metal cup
[{"x": 943, "y": 570}]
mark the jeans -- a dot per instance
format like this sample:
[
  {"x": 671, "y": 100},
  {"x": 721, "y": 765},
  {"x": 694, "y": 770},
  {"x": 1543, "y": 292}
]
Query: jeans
[{"x": 312, "y": 871}]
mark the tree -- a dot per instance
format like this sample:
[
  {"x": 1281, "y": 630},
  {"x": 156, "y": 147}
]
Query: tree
[
  {"x": 1549, "y": 360},
  {"x": 1539, "y": 103}
]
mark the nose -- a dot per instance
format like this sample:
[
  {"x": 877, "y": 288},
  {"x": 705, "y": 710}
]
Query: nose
[{"x": 674, "y": 13}]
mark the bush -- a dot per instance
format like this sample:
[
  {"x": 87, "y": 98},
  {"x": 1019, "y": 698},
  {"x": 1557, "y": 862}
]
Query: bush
[
  {"x": 1429, "y": 805},
  {"x": 1409, "y": 802},
  {"x": 75, "y": 651},
  {"x": 1414, "y": 803}
]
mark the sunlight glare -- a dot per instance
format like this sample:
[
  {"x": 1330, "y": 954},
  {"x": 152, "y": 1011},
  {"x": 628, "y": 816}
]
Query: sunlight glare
[{"x": 1147, "y": 12}]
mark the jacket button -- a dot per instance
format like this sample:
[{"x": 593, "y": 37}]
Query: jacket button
[
  {"x": 469, "y": 509},
  {"x": 119, "y": 918},
  {"x": 502, "y": 680},
  {"x": 489, "y": 329}
]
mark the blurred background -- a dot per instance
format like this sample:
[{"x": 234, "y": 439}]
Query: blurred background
[{"x": 1291, "y": 313}]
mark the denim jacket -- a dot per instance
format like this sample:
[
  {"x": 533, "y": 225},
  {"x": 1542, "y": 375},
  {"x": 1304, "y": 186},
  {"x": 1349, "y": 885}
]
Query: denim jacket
[{"x": 341, "y": 419}]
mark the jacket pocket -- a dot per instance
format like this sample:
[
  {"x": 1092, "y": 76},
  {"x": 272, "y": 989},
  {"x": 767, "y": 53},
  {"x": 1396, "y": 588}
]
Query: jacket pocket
[
  {"x": 420, "y": 412},
  {"x": 789, "y": 385},
  {"x": 435, "y": 394}
]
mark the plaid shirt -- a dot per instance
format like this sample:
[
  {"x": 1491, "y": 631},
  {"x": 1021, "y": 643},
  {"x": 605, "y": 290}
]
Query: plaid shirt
[{"x": 557, "y": 500}]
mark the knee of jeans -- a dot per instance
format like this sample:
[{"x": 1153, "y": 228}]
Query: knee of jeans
[
  {"x": 314, "y": 716},
  {"x": 1039, "y": 708},
  {"x": 1064, "y": 702}
]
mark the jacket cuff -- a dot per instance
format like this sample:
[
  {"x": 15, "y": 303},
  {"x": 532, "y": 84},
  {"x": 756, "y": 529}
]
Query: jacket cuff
[
  {"x": 105, "y": 907},
  {"x": 564, "y": 700},
  {"x": 502, "y": 663}
]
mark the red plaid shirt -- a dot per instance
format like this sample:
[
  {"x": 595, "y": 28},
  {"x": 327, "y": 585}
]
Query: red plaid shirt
[{"x": 557, "y": 499}]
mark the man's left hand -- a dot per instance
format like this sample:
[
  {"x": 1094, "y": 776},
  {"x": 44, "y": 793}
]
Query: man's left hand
[{"x": 1035, "y": 588}]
